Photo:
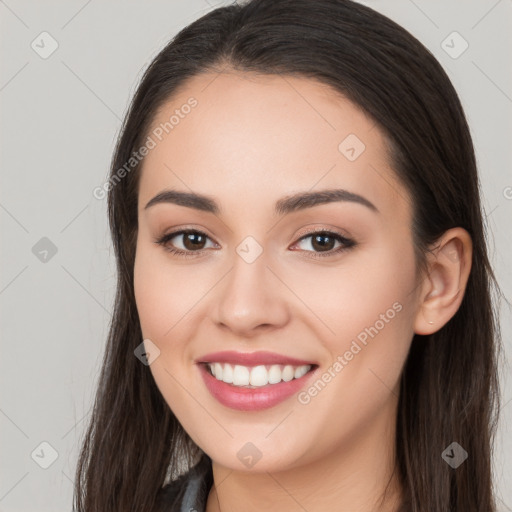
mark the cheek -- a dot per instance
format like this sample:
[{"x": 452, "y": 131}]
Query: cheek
[
  {"x": 162, "y": 299},
  {"x": 163, "y": 292},
  {"x": 369, "y": 307},
  {"x": 168, "y": 299},
  {"x": 149, "y": 289},
  {"x": 370, "y": 310},
  {"x": 345, "y": 301}
]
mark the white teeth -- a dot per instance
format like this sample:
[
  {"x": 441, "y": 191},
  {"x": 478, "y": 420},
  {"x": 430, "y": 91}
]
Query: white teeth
[
  {"x": 227, "y": 374},
  {"x": 288, "y": 373},
  {"x": 240, "y": 375},
  {"x": 300, "y": 371},
  {"x": 259, "y": 376},
  {"x": 274, "y": 374},
  {"x": 217, "y": 367},
  {"x": 256, "y": 376}
]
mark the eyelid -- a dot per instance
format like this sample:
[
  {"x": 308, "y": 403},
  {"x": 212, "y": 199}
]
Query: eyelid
[
  {"x": 322, "y": 229},
  {"x": 171, "y": 233}
]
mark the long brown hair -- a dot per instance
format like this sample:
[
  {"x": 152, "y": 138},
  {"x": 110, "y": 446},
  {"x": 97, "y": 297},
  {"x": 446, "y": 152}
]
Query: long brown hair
[{"x": 449, "y": 385}]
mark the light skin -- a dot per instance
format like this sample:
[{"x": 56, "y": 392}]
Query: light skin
[{"x": 251, "y": 141}]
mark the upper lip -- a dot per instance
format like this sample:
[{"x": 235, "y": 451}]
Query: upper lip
[{"x": 250, "y": 358}]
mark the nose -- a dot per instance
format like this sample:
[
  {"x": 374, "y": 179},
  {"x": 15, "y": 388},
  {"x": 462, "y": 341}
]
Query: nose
[{"x": 250, "y": 299}]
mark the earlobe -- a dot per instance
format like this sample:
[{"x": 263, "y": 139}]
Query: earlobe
[{"x": 449, "y": 265}]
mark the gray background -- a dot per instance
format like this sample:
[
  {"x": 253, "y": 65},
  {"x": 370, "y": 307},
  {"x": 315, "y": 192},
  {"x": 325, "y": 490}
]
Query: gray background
[{"x": 60, "y": 117}]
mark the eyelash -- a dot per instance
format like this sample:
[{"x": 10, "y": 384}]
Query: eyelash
[{"x": 347, "y": 243}]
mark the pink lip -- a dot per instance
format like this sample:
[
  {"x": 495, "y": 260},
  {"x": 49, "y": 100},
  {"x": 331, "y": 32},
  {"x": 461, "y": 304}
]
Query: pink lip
[
  {"x": 252, "y": 399},
  {"x": 250, "y": 358}
]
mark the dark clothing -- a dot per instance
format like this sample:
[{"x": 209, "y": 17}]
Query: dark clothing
[{"x": 189, "y": 492}]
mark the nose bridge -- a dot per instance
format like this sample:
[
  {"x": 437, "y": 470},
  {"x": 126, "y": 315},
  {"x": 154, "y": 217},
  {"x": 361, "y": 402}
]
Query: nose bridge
[{"x": 247, "y": 299}]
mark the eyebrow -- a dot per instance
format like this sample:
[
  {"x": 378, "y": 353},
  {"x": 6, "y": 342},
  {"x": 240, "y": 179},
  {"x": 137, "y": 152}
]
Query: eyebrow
[{"x": 288, "y": 204}]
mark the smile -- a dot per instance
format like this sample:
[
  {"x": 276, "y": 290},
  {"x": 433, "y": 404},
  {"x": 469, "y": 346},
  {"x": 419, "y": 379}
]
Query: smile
[
  {"x": 254, "y": 388},
  {"x": 256, "y": 376}
]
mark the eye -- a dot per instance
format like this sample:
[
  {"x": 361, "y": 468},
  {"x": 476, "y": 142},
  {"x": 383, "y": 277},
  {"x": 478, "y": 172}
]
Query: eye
[
  {"x": 192, "y": 241},
  {"x": 324, "y": 242}
]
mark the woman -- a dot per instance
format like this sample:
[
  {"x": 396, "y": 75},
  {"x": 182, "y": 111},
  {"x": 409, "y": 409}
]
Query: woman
[{"x": 303, "y": 318}]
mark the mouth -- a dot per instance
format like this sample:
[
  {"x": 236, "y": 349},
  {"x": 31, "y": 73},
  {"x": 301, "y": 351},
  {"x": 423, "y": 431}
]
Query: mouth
[{"x": 255, "y": 387}]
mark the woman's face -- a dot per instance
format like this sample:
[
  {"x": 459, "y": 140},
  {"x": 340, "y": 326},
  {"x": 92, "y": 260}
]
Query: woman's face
[{"x": 255, "y": 279}]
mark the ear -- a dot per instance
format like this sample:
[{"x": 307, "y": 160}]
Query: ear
[{"x": 443, "y": 286}]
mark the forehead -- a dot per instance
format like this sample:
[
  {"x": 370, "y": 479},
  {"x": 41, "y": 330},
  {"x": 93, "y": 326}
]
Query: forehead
[{"x": 249, "y": 136}]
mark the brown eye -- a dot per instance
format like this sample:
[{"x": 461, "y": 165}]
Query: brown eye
[
  {"x": 323, "y": 243},
  {"x": 186, "y": 242}
]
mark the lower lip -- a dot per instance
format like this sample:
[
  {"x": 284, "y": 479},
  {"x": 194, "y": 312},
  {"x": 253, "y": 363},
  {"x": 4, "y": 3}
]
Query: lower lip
[{"x": 252, "y": 399}]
